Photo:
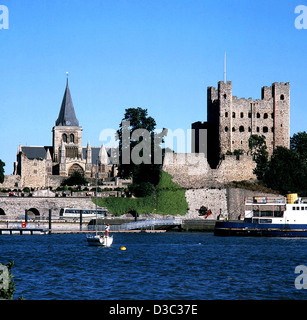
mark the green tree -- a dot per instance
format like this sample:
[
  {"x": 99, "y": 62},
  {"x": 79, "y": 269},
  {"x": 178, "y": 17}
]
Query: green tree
[
  {"x": 298, "y": 142},
  {"x": 139, "y": 141},
  {"x": 2, "y": 165},
  {"x": 75, "y": 179},
  {"x": 144, "y": 189},
  {"x": 258, "y": 148},
  {"x": 286, "y": 172}
]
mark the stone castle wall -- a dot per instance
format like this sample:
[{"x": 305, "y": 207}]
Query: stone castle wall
[
  {"x": 11, "y": 182},
  {"x": 220, "y": 201},
  {"x": 192, "y": 171},
  {"x": 15, "y": 207},
  {"x": 213, "y": 199}
]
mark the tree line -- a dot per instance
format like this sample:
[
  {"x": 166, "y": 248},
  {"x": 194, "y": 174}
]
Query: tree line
[{"x": 286, "y": 170}]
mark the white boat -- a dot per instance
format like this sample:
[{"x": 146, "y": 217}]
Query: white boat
[
  {"x": 99, "y": 240},
  {"x": 280, "y": 217}
]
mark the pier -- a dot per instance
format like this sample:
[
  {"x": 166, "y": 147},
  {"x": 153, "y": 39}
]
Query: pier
[
  {"x": 81, "y": 225},
  {"x": 22, "y": 231}
]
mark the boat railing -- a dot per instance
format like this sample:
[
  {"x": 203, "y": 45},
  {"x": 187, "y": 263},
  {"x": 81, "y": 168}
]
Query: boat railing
[{"x": 262, "y": 200}]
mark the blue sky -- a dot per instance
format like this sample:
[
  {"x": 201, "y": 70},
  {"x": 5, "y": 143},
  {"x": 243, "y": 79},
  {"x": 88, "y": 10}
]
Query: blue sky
[{"x": 155, "y": 54}]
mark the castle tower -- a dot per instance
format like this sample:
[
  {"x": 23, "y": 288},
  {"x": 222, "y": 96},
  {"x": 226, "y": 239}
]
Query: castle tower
[
  {"x": 281, "y": 112},
  {"x": 231, "y": 121},
  {"x": 67, "y": 130}
]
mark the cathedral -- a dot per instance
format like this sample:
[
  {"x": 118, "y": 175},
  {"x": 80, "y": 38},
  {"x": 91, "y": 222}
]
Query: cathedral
[{"x": 44, "y": 166}]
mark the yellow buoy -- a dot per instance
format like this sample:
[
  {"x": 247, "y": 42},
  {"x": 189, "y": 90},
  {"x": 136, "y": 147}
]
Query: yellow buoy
[{"x": 123, "y": 248}]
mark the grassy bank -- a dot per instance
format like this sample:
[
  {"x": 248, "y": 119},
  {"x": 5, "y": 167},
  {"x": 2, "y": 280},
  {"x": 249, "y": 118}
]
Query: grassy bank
[{"x": 168, "y": 198}]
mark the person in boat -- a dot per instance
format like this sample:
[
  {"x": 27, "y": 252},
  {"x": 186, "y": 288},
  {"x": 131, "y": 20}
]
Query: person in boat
[{"x": 107, "y": 229}]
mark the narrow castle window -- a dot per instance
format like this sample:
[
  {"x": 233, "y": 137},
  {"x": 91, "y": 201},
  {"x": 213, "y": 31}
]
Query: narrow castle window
[
  {"x": 241, "y": 114},
  {"x": 265, "y": 116},
  {"x": 65, "y": 137},
  {"x": 282, "y": 97},
  {"x": 265, "y": 129},
  {"x": 233, "y": 114},
  {"x": 226, "y": 114},
  {"x": 249, "y": 114},
  {"x": 249, "y": 129},
  {"x": 226, "y": 129},
  {"x": 258, "y": 115},
  {"x": 72, "y": 138},
  {"x": 258, "y": 129},
  {"x": 225, "y": 96},
  {"x": 241, "y": 129},
  {"x": 233, "y": 129}
]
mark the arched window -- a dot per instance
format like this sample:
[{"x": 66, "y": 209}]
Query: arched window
[
  {"x": 233, "y": 114},
  {"x": 72, "y": 138},
  {"x": 282, "y": 97},
  {"x": 258, "y": 129},
  {"x": 75, "y": 167},
  {"x": 64, "y": 137},
  {"x": 258, "y": 115},
  {"x": 233, "y": 129},
  {"x": 226, "y": 114},
  {"x": 241, "y": 114},
  {"x": 265, "y": 116},
  {"x": 265, "y": 129},
  {"x": 226, "y": 129},
  {"x": 241, "y": 129}
]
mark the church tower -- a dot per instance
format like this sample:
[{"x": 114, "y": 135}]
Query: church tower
[{"x": 67, "y": 131}]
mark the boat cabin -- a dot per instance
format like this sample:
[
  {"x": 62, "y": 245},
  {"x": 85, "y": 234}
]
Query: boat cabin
[{"x": 275, "y": 210}]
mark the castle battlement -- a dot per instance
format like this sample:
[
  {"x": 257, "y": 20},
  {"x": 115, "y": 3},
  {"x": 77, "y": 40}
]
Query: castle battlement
[{"x": 232, "y": 120}]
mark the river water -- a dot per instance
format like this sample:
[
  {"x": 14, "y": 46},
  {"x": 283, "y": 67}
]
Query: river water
[{"x": 165, "y": 266}]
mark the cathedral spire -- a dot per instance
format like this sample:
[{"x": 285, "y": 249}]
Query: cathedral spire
[
  {"x": 103, "y": 156},
  {"x": 67, "y": 116}
]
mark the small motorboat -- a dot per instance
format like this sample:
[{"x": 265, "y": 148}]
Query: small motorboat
[{"x": 99, "y": 240}]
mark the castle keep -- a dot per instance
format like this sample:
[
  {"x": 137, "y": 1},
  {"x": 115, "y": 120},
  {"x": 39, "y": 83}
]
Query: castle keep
[
  {"x": 43, "y": 166},
  {"x": 231, "y": 121}
]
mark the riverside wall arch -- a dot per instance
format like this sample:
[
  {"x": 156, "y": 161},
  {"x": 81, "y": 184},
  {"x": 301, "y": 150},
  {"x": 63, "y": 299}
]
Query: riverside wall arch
[{"x": 14, "y": 207}]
